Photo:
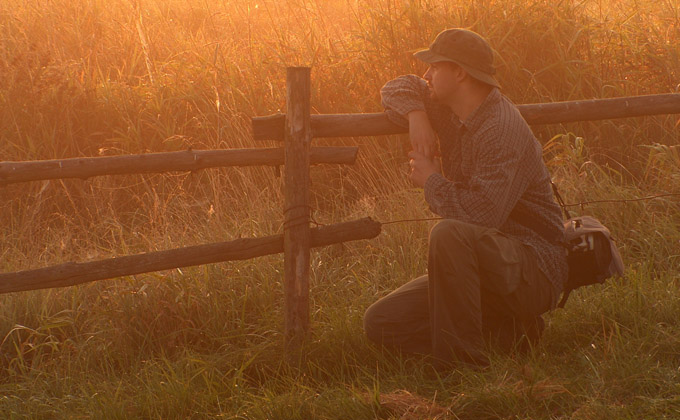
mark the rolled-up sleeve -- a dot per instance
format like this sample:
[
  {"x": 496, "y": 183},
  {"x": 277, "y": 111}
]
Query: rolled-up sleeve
[{"x": 403, "y": 95}]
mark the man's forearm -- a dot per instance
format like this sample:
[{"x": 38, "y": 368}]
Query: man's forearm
[
  {"x": 422, "y": 135},
  {"x": 417, "y": 115}
]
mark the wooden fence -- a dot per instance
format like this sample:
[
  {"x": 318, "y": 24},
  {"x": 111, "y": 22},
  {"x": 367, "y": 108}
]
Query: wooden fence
[{"x": 296, "y": 128}]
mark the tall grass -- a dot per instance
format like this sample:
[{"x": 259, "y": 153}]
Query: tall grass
[{"x": 90, "y": 78}]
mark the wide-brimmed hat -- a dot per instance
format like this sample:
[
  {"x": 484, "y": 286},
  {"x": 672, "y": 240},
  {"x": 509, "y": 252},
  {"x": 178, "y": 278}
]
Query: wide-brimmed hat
[{"x": 465, "y": 48}]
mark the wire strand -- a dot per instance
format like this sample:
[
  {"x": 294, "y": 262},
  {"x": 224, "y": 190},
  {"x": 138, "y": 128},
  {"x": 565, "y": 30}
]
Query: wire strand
[
  {"x": 625, "y": 200},
  {"x": 299, "y": 220},
  {"x": 411, "y": 220}
]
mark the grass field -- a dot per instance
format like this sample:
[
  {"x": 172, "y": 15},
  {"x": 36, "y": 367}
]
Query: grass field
[{"x": 98, "y": 78}]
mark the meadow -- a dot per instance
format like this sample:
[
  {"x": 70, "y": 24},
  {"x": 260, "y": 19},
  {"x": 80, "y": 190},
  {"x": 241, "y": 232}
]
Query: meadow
[{"x": 97, "y": 78}]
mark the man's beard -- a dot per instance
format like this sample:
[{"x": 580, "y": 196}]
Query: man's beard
[{"x": 435, "y": 98}]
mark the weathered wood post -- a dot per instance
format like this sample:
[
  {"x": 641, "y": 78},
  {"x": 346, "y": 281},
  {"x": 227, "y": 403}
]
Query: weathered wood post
[{"x": 296, "y": 237}]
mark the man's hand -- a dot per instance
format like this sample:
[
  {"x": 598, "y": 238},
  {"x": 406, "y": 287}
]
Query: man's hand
[
  {"x": 422, "y": 167},
  {"x": 423, "y": 137}
]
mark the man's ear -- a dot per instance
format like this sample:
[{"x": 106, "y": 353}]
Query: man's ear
[{"x": 459, "y": 73}]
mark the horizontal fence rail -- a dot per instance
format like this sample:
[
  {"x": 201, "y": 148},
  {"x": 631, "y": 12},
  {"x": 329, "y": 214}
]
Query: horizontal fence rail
[
  {"x": 188, "y": 160},
  {"x": 354, "y": 125},
  {"x": 70, "y": 274}
]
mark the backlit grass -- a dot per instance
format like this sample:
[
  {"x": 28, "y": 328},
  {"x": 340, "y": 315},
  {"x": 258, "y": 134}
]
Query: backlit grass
[{"x": 96, "y": 78}]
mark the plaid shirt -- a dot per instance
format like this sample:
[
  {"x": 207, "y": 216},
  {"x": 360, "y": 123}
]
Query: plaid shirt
[{"x": 494, "y": 174}]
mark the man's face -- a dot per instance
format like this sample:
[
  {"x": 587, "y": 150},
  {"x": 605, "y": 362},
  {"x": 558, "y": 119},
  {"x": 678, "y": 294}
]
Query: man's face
[{"x": 443, "y": 79}]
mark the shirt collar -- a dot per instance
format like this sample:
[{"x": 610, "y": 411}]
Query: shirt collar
[{"x": 479, "y": 115}]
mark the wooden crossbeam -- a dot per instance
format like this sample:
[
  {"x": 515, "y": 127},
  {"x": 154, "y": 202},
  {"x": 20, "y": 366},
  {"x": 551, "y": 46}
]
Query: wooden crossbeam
[
  {"x": 71, "y": 274},
  {"x": 354, "y": 125},
  {"x": 189, "y": 160}
]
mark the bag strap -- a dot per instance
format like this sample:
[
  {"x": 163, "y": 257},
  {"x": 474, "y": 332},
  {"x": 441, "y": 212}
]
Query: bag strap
[
  {"x": 560, "y": 201},
  {"x": 565, "y": 296},
  {"x": 567, "y": 291}
]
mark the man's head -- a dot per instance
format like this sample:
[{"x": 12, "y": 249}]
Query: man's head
[{"x": 458, "y": 56}]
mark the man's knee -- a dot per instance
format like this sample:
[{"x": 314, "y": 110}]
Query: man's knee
[
  {"x": 373, "y": 319},
  {"x": 400, "y": 316}
]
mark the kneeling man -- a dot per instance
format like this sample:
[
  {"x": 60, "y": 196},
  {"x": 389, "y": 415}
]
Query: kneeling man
[{"x": 496, "y": 262}]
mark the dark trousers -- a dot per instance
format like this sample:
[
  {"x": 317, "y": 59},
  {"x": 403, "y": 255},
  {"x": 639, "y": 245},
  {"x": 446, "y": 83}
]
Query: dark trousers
[{"x": 480, "y": 283}]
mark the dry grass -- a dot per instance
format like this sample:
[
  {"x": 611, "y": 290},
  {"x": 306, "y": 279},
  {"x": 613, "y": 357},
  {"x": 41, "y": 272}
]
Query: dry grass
[{"x": 90, "y": 78}]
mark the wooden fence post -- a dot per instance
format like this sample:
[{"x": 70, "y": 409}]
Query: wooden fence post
[{"x": 296, "y": 236}]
